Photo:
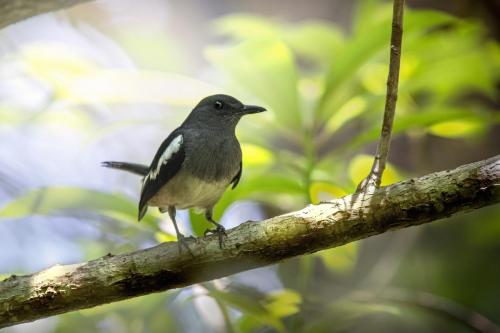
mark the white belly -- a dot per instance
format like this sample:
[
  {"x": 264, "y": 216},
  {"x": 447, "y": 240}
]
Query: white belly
[{"x": 186, "y": 191}]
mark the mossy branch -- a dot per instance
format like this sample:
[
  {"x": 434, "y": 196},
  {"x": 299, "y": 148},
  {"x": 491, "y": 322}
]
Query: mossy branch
[{"x": 112, "y": 278}]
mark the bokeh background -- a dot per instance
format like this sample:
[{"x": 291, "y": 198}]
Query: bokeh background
[{"x": 108, "y": 80}]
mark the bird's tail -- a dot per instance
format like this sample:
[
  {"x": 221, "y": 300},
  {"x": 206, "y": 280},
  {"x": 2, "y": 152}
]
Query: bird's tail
[
  {"x": 137, "y": 169},
  {"x": 142, "y": 211}
]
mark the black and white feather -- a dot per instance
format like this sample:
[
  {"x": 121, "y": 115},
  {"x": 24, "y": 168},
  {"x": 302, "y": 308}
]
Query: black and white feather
[{"x": 166, "y": 163}]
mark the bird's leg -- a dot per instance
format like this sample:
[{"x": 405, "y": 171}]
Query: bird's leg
[
  {"x": 219, "y": 229},
  {"x": 164, "y": 210},
  {"x": 181, "y": 240}
]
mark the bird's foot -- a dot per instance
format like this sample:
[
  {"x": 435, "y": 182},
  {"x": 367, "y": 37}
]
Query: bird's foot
[
  {"x": 220, "y": 231},
  {"x": 182, "y": 241}
]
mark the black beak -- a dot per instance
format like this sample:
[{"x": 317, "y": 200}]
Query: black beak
[{"x": 248, "y": 109}]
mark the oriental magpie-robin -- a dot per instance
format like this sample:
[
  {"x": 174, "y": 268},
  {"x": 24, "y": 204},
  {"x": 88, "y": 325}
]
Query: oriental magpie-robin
[{"x": 195, "y": 163}]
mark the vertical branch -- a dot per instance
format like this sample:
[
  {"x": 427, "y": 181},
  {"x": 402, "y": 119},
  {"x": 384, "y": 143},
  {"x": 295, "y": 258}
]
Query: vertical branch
[{"x": 374, "y": 178}]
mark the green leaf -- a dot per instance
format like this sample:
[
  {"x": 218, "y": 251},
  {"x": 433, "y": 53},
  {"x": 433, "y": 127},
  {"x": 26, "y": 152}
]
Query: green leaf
[
  {"x": 152, "y": 48},
  {"x": 266, "y": 69},
  {"x": 414, "y": 120},
  {"x": 458, "y": 128},
  {"x": 68, "y": 201},
  {"x": 318, "y": 190},
  {"x": 350, "y": 110},
  {"x": 55, "y": 63},
  {"x": 437, "y": 72},
  {"x": 77, "y": 80},
  {"x": 198, "y": 222},
  {"x": 267, "y": 183},
  {"x": 254, "y": 155},
  {"x": 51, "y": 118},
  {"x": 340, "y": 259},
  {"x": 315, "y": 40},
  {"x": 353, "y": 55},
  {"x": 359, "y": 50},
  {"x": 162, "y": 237},
  {"x": 436, "y": 115},
  {"x": 249, "y": 306},
  {"x": 245, "y": 26},
  {"x": 248, "y": 324},
  {"x": 283, "y": 303},
  {"x": 369, "y": 13}
]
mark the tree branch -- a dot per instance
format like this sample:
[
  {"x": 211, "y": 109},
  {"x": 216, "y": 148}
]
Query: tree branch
[
  {"x": 374, "y": 178},
  {"x": 111, "y": 278},
  {"x": 13, "y": 11}
]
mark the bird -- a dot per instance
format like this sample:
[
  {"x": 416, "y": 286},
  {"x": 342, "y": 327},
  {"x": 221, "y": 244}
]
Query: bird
[{"x": 195, "y": 164}]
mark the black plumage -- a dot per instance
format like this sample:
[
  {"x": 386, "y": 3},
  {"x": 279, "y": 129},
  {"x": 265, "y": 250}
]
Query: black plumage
[
  {"x": 150, "y": 185},
  {"x": 196, "y": 163}
]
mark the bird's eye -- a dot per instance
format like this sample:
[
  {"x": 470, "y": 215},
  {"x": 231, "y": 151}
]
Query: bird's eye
[{"x": 218, "y": 105}]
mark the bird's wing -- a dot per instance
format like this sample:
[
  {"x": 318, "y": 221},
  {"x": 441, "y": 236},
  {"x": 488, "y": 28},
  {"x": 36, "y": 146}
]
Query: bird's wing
[
  {"x": 236, "y": 178},
  {"x": 165, "y": 165}
]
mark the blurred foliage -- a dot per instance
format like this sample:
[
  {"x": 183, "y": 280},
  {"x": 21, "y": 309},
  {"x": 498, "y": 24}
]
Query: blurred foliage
[
  {"x": 319, "y": 83},
  {"x": 142, "y": 314}
]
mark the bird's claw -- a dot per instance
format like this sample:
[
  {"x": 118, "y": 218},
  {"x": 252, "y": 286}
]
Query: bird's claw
[
  {"x": 182, "y": 242},
  {"x": 220, "y": 231}
]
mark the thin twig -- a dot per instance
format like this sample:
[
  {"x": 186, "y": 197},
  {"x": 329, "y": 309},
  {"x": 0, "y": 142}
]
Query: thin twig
[{"x": 374, "y": 178}]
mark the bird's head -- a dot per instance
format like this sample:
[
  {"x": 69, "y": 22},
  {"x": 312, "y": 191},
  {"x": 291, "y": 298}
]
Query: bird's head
[{"x": 221, "y": 111}]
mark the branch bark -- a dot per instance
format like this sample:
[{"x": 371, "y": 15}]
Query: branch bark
[
  {"x": 112, "y": 278},
  {"x": 374, "y": 178},
  {"x": 13, "y": 11}
]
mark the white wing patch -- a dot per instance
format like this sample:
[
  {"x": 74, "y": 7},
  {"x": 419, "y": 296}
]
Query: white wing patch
[{"x": 172, "y": 148}]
